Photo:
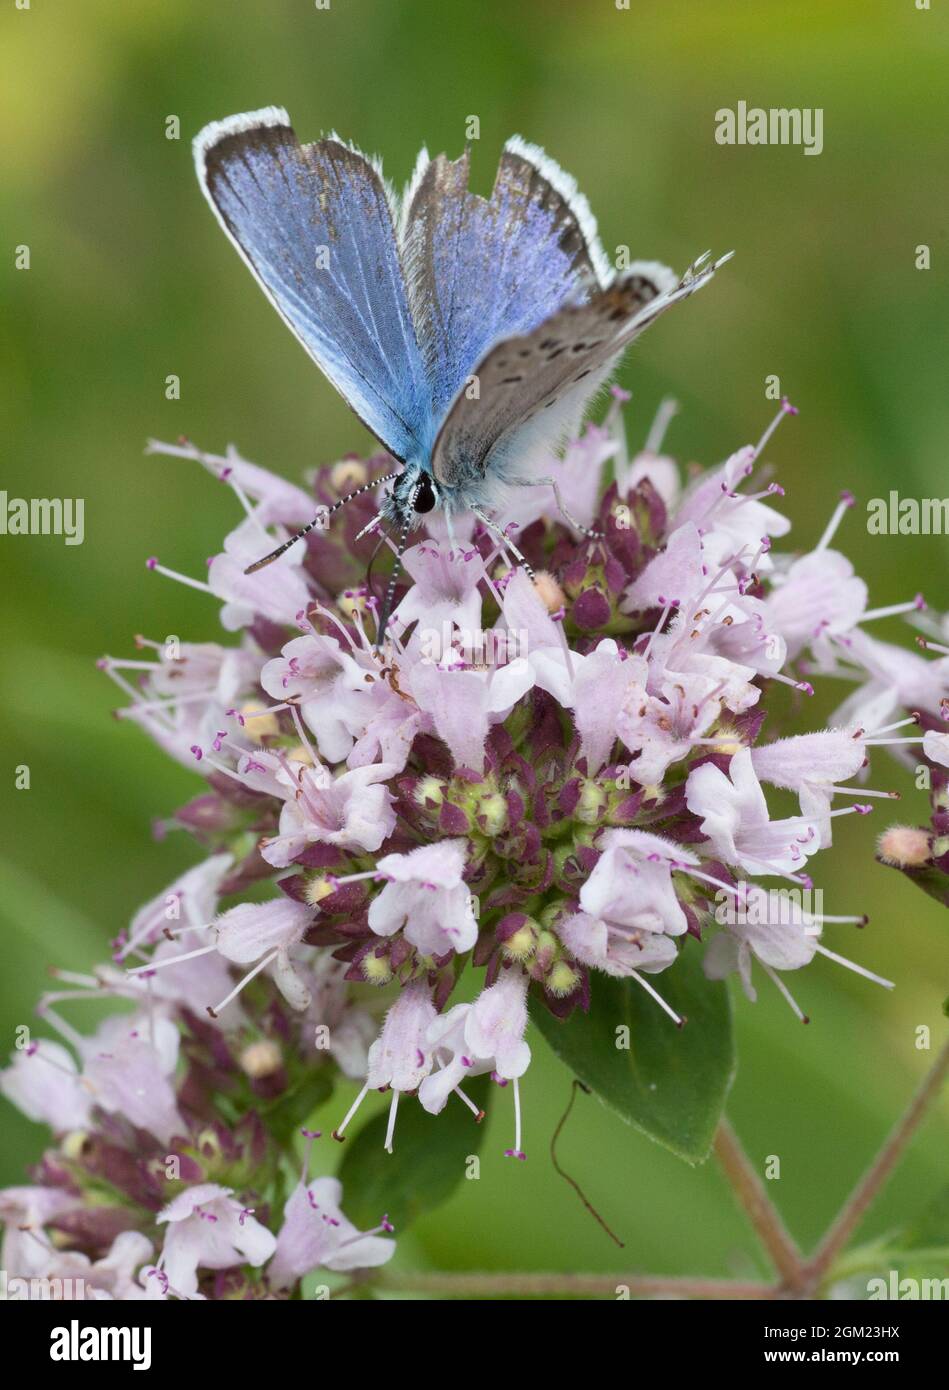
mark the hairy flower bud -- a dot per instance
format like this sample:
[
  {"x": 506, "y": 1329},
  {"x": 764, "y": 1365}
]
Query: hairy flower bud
[
  {"x": 904, "y": 846},
  {"x": 261, "y": 1059}
]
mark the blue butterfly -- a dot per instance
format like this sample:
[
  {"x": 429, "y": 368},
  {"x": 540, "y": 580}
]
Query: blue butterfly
[{"x": 461, "y": 330}]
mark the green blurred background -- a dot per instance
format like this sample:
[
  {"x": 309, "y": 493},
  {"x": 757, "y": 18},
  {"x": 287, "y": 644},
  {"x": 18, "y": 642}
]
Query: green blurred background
[{"x": 131, "y": 280}]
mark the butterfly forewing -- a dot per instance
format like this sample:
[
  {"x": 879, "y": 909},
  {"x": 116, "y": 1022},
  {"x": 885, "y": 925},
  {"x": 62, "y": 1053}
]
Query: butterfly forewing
[{"x": 314, "y": 224}]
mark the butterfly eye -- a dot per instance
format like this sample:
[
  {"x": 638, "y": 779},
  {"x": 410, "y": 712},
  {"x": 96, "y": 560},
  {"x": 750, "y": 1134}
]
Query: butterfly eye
[{"x": 424, "y": 499}]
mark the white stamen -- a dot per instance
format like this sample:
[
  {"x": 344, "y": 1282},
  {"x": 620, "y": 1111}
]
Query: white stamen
[
  {"x": 66, "y": 1030},
  {"x": 893, "y": 610},
  {"x": 338, "y": 1131},
  {"x": 167, "y": 702},
  {"x": 785, "y": 992},
  {"x": 670, "y": 604},
  {"x": 862, "y": 791},
  {"x": 353, "y": 878},
  {"x": 126, "y": 664},
  {"x": 261, "y": 965},
  {"x": 180, "y": 578},
  {"x": 172, "y": 960},
  {"x": 567, "y": 654},
  {"x": 890, "y": 728},
  {"x": 676, "y": 1018},
  {"x": 390, "y": 1127},
  {"x": 804, "y": 686},
  {"x": 858, "y": 969},
  {"x": 771, "y": 429},
  {"x": 478, "y": 1114},
  {"x": 668, "y": 409},
  {"x": 840, "y": 511}
]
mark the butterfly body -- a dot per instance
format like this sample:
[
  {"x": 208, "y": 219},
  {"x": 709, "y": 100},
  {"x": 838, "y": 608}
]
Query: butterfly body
[{"x": 463, "y": 331}]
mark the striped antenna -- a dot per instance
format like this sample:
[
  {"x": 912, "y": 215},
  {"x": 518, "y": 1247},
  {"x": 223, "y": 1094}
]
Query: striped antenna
[{"x": 320, "y": 520}]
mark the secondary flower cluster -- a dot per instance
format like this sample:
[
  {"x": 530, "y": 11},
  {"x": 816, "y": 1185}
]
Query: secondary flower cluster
[{"x": 553, "y": 769}]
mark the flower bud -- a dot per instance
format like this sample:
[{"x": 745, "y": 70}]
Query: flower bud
[
  {"x": 491, "y": 814},
  {"x": 562, "y": 980},
  {"x": 261, "y": 1058},
  {"x": 592, "y": 803},
  {"x": 259, "y": 723},
  {"x": 377, "y": 970},
  {"x": 347, "y": 475},
  {"x": 517, "y": 935},
  {"x": 316, "y": 890},
  {"x": 549, "y": 591},
  {"x": 429, "y": 792},
  {"x": 904, "y": 846},
  {"x": 73, "y": 1144},
  {"x": 548, "y": 951},
  {"x": 591, "y": 609},
  {"x": 208, "y": 1144}
]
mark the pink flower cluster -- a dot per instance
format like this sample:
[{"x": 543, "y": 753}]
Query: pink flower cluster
[{"x": 555, "y": 768}]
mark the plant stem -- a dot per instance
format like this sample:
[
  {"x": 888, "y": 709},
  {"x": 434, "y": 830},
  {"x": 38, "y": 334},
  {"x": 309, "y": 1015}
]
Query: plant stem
[
  {"x": 852, "y": 1212},
  {"x": 798, "y": 1276},
  {"x": 477, "y": 1285},
  {"x": 764, "y": 1217}
]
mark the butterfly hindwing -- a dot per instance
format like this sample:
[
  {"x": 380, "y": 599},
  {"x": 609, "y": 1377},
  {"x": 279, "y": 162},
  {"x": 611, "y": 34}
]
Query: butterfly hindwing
[
  {"x": 549, "y": 373},
  {"x": 315, "y": 225},
  {"x": 483, "y": 269}
]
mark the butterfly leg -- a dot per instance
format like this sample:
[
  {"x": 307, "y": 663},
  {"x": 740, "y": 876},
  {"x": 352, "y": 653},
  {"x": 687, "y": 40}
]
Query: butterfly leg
[
  {"x": 505, "y": 540},
  {"x": 585, "y": 531},
  {"x": 449, "y": 527}
]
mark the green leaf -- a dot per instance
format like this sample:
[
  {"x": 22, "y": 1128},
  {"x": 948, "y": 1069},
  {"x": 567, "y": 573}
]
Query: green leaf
[
  {"x": 428, "y": 1162},
  {"x": 670, "y": 1082},
  {"x": 294, "y": 1106}
]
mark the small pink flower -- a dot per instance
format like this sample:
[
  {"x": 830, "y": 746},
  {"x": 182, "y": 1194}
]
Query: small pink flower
[
  {"x": 735, "y": 817},
  {"x": 209, "y": 1229},
  {"x": 328, "y": 684},
  {"x": 316, "y": 1235},
  {"x": 352, "y": 810},
  {"x": 428, "y": 898}
]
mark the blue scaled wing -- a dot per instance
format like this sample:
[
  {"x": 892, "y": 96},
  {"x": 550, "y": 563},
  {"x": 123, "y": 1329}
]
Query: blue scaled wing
[
  {"x": 315, "y": 225},
  {"x": 479, "y": 270}
]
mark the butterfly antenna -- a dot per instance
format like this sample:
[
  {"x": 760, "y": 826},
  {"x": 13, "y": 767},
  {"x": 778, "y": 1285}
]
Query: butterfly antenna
[
  {"x": 393, "y": 580},
  {"x": 319, "y": 520}
]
